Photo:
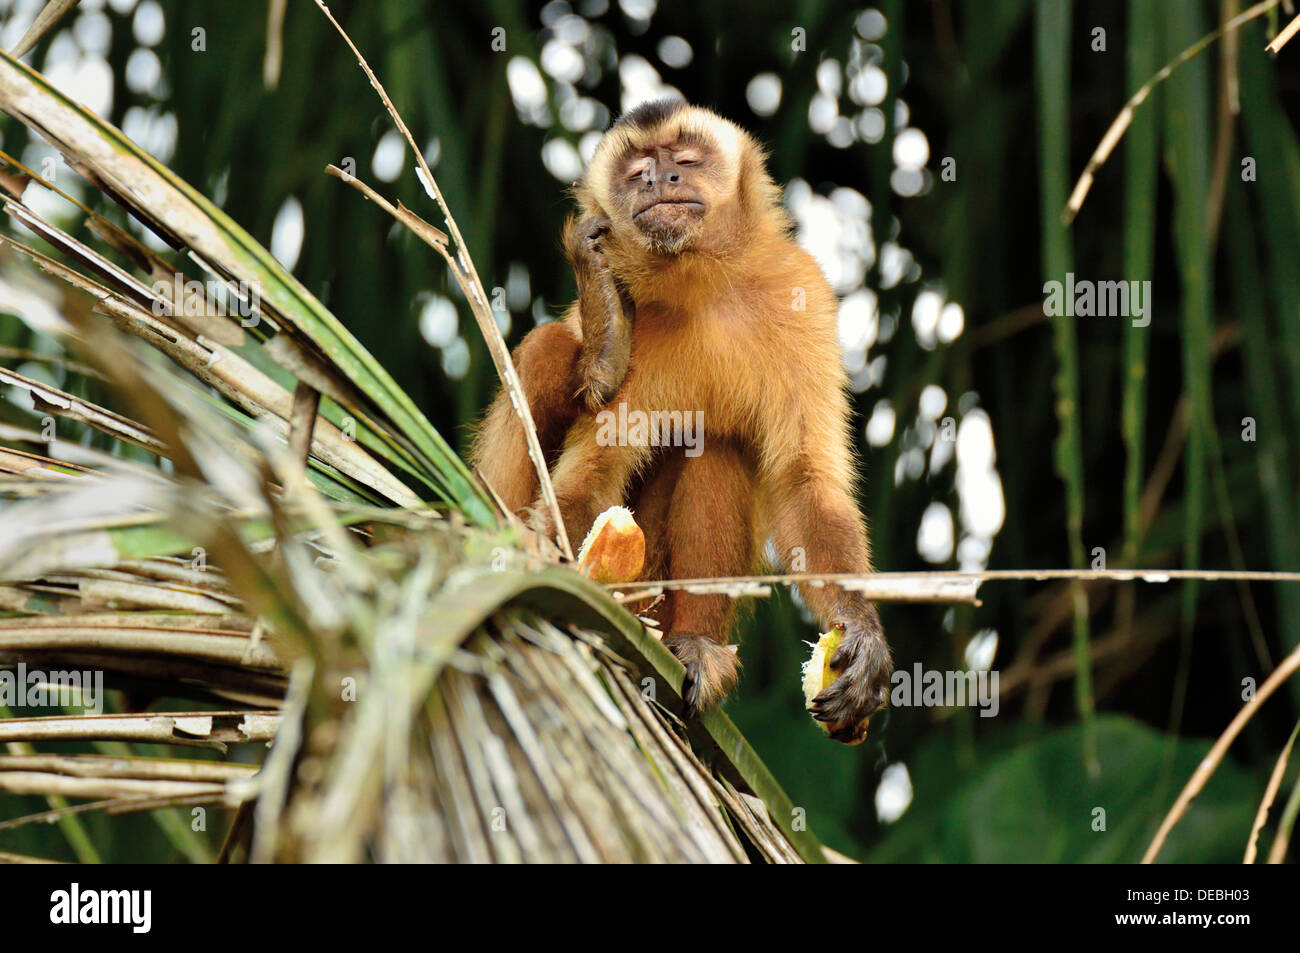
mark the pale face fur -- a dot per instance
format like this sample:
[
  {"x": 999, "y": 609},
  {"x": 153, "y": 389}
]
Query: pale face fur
[{"x": 679, "y": 178}]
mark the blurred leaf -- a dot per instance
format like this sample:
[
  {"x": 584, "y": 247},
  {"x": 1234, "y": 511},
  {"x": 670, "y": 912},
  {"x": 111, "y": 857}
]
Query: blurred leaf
[
  {"x": 1036, "y": 803},
  {"x": 1052, "y": 68}
]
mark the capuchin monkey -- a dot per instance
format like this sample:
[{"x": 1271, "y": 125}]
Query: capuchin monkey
[{"x": 692, "y": 296}]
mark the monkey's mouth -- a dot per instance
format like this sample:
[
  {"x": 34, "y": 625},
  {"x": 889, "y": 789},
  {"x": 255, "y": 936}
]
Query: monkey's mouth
[{"x": 686, "y": 205}]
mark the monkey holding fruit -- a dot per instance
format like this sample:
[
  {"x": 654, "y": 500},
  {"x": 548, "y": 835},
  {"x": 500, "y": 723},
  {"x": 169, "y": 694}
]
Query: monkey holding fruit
[{"x": 692, "y": 296}]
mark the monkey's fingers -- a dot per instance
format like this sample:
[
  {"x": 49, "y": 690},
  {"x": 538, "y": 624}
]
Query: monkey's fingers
[
  {"x": 849, "y": 702},
  {"x": 581, "y": 236},
  {"x": 860, "y": 690},
  {"x": 860, "y": 633}
]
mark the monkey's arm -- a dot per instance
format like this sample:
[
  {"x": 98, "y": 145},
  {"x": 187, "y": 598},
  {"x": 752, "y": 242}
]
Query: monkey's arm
[
  {"x": 605, "y": 309},
  {"x": 814, "y": 516},
  {"x": 557, "y": 370},
  {"x": 546, "y": 361}
]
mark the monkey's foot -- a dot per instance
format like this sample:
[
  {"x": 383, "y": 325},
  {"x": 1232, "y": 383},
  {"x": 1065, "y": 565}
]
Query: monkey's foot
[
  {"x": 864, "y": 667},
  {"x": 712, "y": 669}
]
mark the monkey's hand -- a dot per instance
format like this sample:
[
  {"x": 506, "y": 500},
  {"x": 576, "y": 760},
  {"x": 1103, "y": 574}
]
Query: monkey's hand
[
  {"x": 863, "y": 666},
  {"x": 605, "y": 308}
]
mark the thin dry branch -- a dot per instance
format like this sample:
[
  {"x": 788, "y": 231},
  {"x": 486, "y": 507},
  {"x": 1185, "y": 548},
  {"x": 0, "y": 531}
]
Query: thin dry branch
[
  {"x": 1270, "y": 795},
  {"x": 226, "y": 649},
  {"x": 45, "y": 21},
  {"x": 880, "y": 587},
  {"x": 7, "y": 858},
  {"x": 1228, "y": 108},
  {"x": 1210, "y": 763},
  {"x": 28, "y": 354},
  {"x": 113, "y": 766},
  {"x": 59, "y": 403},
  {"x": 123, "y": 594},
  {"x": 45, "y": 783},
  {"x": 1121, "y": 122},
  {"x": 462, "y": 269},
  {"x": 1285, "y": 824},
  {"x": 200, "y": 728},
  {"x": 119, "y": 805},
  {"x": 939, "y": 586},
  {"x": 1285, "y": 36}
]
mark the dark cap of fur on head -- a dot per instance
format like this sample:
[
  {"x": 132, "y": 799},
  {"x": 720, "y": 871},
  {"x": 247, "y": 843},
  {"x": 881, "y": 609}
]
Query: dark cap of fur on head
[{"x": 650, "y": 114}]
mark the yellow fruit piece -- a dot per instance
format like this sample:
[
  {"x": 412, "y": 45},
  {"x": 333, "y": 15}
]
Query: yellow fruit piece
[
  {"x": 614, "y": 550},
  {"x": 818, "y": 674}
]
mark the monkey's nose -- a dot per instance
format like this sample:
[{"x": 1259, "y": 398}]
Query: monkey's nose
[{"x": 674, "y": 178}]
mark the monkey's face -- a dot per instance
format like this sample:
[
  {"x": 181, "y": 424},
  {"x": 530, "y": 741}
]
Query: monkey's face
[
  {"x": 672, "y": 179},
  {"x": 663, "y": 193},
  {"x": 661, "y": 190}
]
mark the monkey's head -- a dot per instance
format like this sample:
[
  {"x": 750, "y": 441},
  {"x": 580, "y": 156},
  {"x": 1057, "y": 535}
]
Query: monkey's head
[{"x": 675, "y": 178}]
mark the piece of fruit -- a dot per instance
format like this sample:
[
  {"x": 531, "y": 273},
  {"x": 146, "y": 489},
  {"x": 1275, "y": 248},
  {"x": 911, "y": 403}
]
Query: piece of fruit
[
  {"x": 614, "y": 550},
  {"x": 818, "y": 674}
]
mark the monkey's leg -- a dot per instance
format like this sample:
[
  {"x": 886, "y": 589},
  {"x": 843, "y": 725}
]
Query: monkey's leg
[
  {"x": 820, "y": 521},
  {"x": 546, "y": 361},
  {"x": 710, "y": 533},
  {"x": 650, "y": 503},
  {"x": 605, "y": 310}
]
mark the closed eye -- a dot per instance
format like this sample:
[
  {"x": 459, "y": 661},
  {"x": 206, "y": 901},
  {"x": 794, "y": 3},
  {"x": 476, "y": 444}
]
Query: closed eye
[{"x": 637, "y": 171}]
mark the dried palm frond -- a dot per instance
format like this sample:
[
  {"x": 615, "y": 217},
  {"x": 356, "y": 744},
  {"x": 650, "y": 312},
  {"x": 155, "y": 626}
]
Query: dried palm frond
[{"x": 271, "y": 550}]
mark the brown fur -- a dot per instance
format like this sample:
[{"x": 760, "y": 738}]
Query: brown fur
[
  {"x": 729, "y": 316},
  {"x": 546, "y": 362}
]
